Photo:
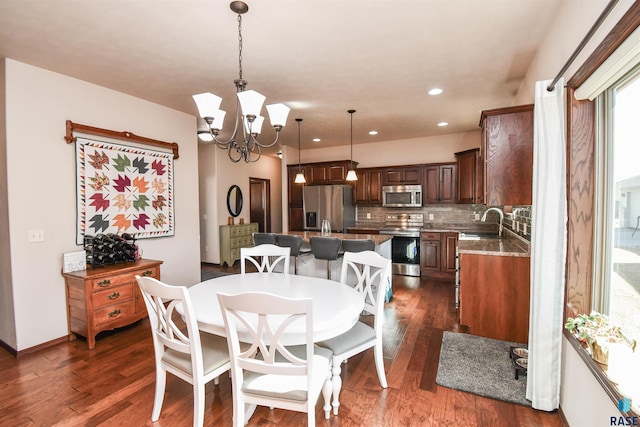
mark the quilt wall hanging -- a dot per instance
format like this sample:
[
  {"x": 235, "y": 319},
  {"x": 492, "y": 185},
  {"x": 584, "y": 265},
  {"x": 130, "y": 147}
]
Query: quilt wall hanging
[{"x": 123, "y": 189}]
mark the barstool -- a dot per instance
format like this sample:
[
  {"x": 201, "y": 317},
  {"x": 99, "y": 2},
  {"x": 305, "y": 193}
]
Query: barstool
[
  {"x": 264, "y": 238},
  {"x": 326, "y": 248},
  {"x": 358, "y": 245},
  {"x": 295, "y": 244}
]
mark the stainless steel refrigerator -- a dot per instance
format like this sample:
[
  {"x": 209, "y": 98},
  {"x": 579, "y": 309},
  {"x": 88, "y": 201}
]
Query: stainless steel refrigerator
[{"x": 332, "y": 202}]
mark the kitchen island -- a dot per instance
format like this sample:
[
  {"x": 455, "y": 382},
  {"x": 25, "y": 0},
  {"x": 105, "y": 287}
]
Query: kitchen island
[
  {"x": 309, "y": 266},
  {"x": 494, "y": 287}
]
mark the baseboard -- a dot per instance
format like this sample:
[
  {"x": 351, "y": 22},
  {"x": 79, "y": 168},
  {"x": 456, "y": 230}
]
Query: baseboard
[
  {"x": 563, "y": 419},
  {"x": 33, "y": 349}
]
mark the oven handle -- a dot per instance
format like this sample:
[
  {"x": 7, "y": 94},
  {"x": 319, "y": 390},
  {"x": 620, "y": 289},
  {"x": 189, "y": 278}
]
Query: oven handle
[{"x": 400, "y": 233}]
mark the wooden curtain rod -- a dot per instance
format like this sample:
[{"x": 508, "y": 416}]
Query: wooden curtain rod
[{"x": 128, "y": 136}]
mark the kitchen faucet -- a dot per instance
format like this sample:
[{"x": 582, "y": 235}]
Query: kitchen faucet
[{"x": 484, "y": 218}]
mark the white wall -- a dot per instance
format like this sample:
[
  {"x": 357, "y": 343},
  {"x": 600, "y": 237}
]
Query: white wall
[
  {"x": 584, "y": 402},
  {"x": 433, "y": 149},
  {"x": 217, "y": 174},
  {"x": 41, "y": 189},
  {"x": 7, "y": 321}
]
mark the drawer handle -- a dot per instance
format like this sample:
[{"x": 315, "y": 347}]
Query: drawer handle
[
  {"x": 115, "y": 313},
  {"x": 147, "y": 273},
  {"x": 114, "y": 295},
  {"x": 103, "y": 283}
]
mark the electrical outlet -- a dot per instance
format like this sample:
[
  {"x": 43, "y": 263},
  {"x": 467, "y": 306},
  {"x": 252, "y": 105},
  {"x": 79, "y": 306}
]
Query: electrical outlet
[
  {"x": 430, "y": 217},
  {"x": 368, "y": 215},
  {"x": 476, "y": 216},
  {"x": 36, "y": 235}
]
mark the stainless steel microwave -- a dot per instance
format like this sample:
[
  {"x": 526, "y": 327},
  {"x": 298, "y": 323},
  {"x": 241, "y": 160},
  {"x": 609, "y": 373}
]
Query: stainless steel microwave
[{"x": 402, "y": 196}]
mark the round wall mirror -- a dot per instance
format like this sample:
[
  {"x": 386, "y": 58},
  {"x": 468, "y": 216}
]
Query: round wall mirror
[{"x": 234, "y": 200}]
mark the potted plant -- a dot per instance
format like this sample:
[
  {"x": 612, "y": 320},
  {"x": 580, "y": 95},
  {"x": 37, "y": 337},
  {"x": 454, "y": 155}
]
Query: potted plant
[{"x": 596, "y": 331}]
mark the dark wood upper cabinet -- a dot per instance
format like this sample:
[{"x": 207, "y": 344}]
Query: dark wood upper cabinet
[
  {"x": 470, "y": 188},
  {"x": 368, "y": 187},
  {"x": 402, "y": 175},
  {"x": 318, "y": 175},
  {"x": 439, "y": 183},
  {"x": 295, "y": 190},
  {"x": 507, "y": 143},
  {"x": 327, "y": 172}
]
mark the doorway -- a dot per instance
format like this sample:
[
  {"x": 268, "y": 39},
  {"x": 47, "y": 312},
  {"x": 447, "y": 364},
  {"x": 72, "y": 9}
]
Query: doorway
[{"x": 260, "y": 203}]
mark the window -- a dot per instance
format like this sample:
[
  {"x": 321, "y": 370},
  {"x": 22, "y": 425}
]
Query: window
[{"x": 617, "y": 284}]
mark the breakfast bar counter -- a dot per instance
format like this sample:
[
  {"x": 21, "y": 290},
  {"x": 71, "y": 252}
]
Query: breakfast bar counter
[
  {"x": 309, "y": 266},
  {"x": 378, "y": 239}
]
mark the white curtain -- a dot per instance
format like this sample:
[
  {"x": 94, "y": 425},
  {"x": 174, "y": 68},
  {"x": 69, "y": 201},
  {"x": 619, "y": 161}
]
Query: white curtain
[{"x": 548, "y": 247}]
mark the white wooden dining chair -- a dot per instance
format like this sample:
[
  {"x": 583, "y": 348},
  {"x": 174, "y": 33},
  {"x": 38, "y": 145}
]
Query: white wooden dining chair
[
  {"x": 265, "y": 258},
  {"x": 372, "y": 272},
  {"x": 193, "y": 356},
  {"x": 278, "y": 376}
]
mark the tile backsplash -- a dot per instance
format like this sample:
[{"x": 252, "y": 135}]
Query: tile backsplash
[{"x": 518, "y": 220}]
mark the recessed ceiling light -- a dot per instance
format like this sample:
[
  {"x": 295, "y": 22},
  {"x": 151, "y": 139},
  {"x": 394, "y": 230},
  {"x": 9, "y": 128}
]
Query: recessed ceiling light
[
  {"x": 441, "y": 124},
  {"x": 316, "y": 139},
  {"x": 435, "y": 91},
  {"x": 373, "y": 132}
]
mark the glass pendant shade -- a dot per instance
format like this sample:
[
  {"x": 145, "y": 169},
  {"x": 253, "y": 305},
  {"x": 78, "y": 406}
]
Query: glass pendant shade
[
  {"x": 255, "y": 127},
  {"x": 205, "y": 136},
  {"x": 251, "y": 102},
  {"x": 207, "y": 104},
  {"x": 300, "y": 178},
  {"x": 278, "y": 114},
  {"x": 218, "y": 119},
  {"x": 351, "y": 175}
]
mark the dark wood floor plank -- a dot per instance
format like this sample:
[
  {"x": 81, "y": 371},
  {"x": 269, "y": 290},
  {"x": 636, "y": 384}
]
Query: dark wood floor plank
[{"x": 69, "y": 385}]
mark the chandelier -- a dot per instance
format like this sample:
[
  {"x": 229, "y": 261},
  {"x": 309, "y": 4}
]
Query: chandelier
[{"x": 240, "y": 146}]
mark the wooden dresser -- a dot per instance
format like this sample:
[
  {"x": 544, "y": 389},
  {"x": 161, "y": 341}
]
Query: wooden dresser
[
  {"x": 234, "y": 237},
  {"x": 106, "y": 298}
]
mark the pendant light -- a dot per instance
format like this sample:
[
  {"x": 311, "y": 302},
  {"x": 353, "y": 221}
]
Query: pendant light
[
  {"x": 351, "y": 175},
  {"x": 299, "y": 176}
]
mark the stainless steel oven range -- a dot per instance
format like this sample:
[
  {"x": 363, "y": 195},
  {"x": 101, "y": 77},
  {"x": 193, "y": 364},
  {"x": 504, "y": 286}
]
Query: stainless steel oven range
[{"x": 405, "y": 243}]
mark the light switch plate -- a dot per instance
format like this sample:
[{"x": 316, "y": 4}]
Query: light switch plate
[{"x": 74, "y": 261}]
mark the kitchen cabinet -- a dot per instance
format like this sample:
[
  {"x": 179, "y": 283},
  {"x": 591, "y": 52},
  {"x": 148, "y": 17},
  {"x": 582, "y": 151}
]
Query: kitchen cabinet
[
  {"x": 368, "y": 187},
  {"x": 295, "y": 190},
  {"x": 296, "y": 215},
  {"x": 315, "y": 174},
  {"x": 402, "y": 175},
  {"x": 507, "y": 144},
  {"x": 469, "y": 182},
  {"x": 494, "y": 296},
  {"x": 106, "y": 298},
  {"x": 328, "y": 173},
  {"x": 438, "y": 254},
  {"x": 439, "y": 183}
]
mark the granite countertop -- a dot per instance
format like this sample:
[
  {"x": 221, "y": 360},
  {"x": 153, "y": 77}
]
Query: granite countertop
[
  {"x": 509, "y": 245},
  {"x": 377, "y": 238},
  {"x": 506, "y": 246}
]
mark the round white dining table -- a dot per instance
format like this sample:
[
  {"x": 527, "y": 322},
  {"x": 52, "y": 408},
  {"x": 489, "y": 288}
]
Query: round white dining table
[{"x": 336, "y": 307}]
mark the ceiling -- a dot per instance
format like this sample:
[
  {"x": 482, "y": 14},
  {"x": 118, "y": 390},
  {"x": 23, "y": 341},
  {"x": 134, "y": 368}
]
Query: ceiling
[{"x": 320, "y": 57}]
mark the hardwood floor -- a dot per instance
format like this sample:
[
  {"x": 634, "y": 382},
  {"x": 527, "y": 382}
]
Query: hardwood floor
[{"x": 69, "y": 385}]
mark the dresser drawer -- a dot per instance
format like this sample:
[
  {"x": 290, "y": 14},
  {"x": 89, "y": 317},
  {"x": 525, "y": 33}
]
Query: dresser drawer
[
  {"x": 114, "y": 313},
  {"x": 112, "y": 295},
  {"x": 111, "y": 282}
]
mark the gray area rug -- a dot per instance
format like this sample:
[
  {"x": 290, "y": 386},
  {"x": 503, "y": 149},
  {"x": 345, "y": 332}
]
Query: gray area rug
[{"x": 480, "y": 366}]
